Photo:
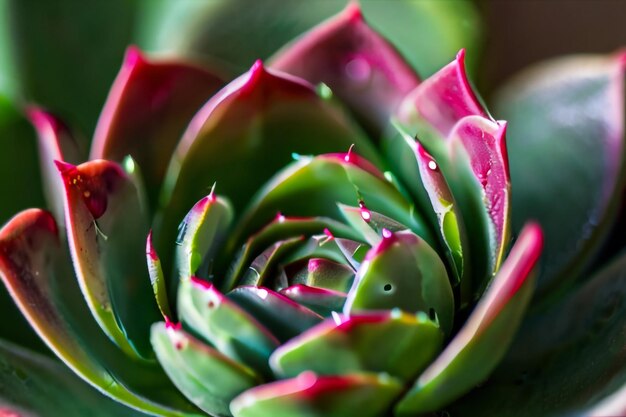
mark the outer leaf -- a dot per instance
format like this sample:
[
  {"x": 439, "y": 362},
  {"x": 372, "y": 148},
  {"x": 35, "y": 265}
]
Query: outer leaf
[
  {"x": 32, "y": 268},
  {"x": 256, "y": 123},
  {"x": 307, "y": 395},
  {"x": 428, "y": 33},
  {"x": 484, "y": 338},
  {"x": 355, "y": 62},
  {"x": 403, "y": 272},
  {"x": 34, "y": 385},
  {"x": 56, "y": 143},
  {"x": 20, "y": 183},
  {"x": 567, "y": 121},
  {"x": 150, "y": 102},
  {"x": 208, "y": 378},
  {"x": 566, "y": 360},
  {"x": 106, "y": 228},
  {"x": 399, "y": 344}
]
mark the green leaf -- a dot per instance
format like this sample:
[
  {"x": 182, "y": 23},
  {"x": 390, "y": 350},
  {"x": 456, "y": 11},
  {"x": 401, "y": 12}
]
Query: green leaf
[
  {"x": 283, "y": 317},
  {"x": 148, "y": 108},
  {"x": 314, "y": 186},
  {"x": 57, "y": 56},
  {"x": 397, "y": 343},
  {"x": 200, "y": 236},
  {"x": 566, "y": 360},
  {"x": 323, "y": 301},
  {"x": 106, "y": 225},
  {"x": 483, "y": 340},
  {"x": 244, "y": 135},
  {"x": 280, "y": 228},
  {"x": 427, "y": 32},
  {"x": 35, "y": 385},
  {"x": 222, "y": 323},
  {"x": 327, "y": 274},
  {"x": 566, "y": 121},
  {"x": 56, "y": 143},
  {"x": 157, "y": 278},
  {"x": 355, "y": 62},
  {"x": 364, "y": 395},
  {"x": 403, "y": 272},
  {"x": 208, "y": 378},
  {"x": 37, "y": 273}
]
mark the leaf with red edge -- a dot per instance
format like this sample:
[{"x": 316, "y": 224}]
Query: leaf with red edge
[
  {"x": 400, "y": 344},
  {"x": 483, "y": 143},
  {"x": 359, "y": 66},
  {"x": 35, "y": 270},
  {"x": 363, "y": 395},
  {"x": 254, "y": 124},
  {"x": 56, "y": 143},
  {"x": 568, "y": 158},
  {"x": 282, "y": 316},
  {"x": 443, "y": 99},
  {"x": 484, "y": 338},
  {"x": 106, "y": 227},
  {"x": 147, "y": 111}
]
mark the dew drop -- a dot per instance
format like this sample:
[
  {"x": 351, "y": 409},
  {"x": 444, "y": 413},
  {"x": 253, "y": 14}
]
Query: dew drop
[
  {"x": 386, "y": 233},
  {"x": 366, "y": 214},
  {"x": 432, "y": 165},
  {"x": 358, "y": 69},
  {"x": 348, "y": 156}
]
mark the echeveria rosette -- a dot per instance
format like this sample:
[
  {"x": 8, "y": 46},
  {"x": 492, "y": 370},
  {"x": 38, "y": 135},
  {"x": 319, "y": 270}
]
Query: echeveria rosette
[{"x": 322, "y": 267}]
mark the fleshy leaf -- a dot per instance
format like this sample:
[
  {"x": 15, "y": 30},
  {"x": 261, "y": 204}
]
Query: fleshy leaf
[
  {"x": 327, "y": 274},
  {"x": 308, "y": 395},
  {"x": 566, "y": 121},
  {"x": 369, "y": 223},
  {"x": 484, "y": 338},
  {"x": 314, "y": 186},
  {"x": 443, "y": 99},
  {"x": 567, "y": 359},
  {"x": 477, "y": 148},
  {"x": 157, "y": 278},
  {"x": 150, "y": 103},
  {"x": 358, "y": 65},
  {"x": 106, "y": 227},
  {"x": 200, "y": 236},
  {"x": 36, "y": 386},
  {"x": 33, "y": 269},
  {"x": 320, "y": 300},
  {"x": 426, "y": 183},
  {"x": 56, "y": 143},
  {"x": 255, "y": 123},
  {"x": 427, "y": 33},
  {"x": 403, "y": 272},
  {"x": 205, "y": 376},
  {"x": 221, "y": 322},
  {"x": 393, "y": 342},
  {"x": 283, "y": 317},
  {"x": 282, "y": 227},
  {"x": 258, "y": 273}
]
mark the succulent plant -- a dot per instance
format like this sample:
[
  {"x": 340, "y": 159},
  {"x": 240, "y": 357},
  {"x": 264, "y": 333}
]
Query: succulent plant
[{"x": 327, "y": 235}]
